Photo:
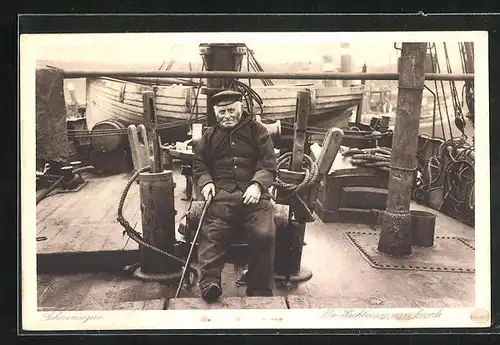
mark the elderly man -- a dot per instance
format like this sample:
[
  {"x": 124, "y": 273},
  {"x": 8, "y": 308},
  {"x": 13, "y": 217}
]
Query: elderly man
[{"x": 236, "y": 163}]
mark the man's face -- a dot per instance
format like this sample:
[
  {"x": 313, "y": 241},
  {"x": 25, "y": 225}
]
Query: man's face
[{"x": 229, "y": 115}]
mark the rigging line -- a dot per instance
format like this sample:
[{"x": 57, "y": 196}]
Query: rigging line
[
  {"x": 437, "y": 92},
  {"x": 248, "y": 67},
  {"x": 461, "y": 48},
  {"x": 452, "y": 84},
  {"x": 459, "y": 117},
  {"x": 433, "y": 111},
  {"x": 267, "y": 82},
  {"x": 195, "y": 105},
  {"x": 444, "y": 95},
  {"x": 255, "y": 68},
  {"x": 164, "y": 61}
]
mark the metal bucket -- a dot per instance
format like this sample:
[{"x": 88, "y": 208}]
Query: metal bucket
[{"x": 422, "y": 228}]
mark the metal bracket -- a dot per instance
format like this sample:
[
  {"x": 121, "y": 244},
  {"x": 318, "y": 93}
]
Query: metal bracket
[
  {"x": 205, "y": 50},
  {"x": 240, "y": 50}
]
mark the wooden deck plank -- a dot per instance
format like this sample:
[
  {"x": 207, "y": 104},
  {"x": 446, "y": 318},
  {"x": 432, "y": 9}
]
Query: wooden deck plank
[
  {"x": 64, "y": 293},
  {"x": 227, "y": 303},
  {"x": 154, "y": 304},
  {"x": 110, "y": 214},
  {"x": 55, "y": 236},
  {"x": 73, "y": 238},
  {"x": 134, "y": 305},
  {"x": 109, "y": 201},
  {"x": 132, "y": 204},
  {"x": 50, "y": 205},
  {"x": 116, "y": 241},
  {"x": 297, "y": 302},
  {"x": 132, "y": 197},
  {"x": 91, "y": 207},
  {"x": 60, "y": 239},
  {"x": 97, "y": 237},
  {"x": 67, "y": 203},
  {"x": 97, "y": 291},
  {"x": 44, "y": 206}
]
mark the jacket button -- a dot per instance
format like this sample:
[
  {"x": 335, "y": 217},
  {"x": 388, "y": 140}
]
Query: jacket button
[{"x": 235, "y": 166}]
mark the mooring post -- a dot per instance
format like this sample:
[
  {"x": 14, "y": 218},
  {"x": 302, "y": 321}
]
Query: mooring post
[
  {"x": 395, "y": 237},
  {"x": 157, "y": 206}
]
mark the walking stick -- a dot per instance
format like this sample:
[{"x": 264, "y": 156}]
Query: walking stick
[{"x": 202, "y": 218}]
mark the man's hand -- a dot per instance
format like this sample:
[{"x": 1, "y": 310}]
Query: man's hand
[
  {"x": 207, "y": 189},
  {"x": 252, "y": 194}
]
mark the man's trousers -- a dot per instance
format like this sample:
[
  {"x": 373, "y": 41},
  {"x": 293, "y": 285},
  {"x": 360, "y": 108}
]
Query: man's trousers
[{"x": 227, "y": 214}]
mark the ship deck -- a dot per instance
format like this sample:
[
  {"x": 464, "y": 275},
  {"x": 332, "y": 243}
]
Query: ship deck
[{"x": 81, "y": 227}]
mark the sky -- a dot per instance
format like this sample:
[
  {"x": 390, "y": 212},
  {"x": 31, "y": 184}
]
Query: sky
[{"x": 269, "y": 48}]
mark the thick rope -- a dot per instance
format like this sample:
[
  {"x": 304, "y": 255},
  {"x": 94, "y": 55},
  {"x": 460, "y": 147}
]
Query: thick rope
[
  {"x": 131, "y": 232},
  {"x": 311, "y": 176}
]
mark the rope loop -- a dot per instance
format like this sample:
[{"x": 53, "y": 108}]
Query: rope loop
[
  {"x": 131, "y": 232},
  {"x": 311, "y": 176}
]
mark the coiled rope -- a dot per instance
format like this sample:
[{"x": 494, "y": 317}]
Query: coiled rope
[
  {"x": 311, "y": 176},
  {"x": 377, "y": 158},
  {"x": 132, "y": 233},
  {"x": 458, "y": 174},
  {"x": 454, "y": 166}
]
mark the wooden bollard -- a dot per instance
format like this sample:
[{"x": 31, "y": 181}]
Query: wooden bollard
[
  {"x": 158, "y": 221},
  {"x": 138, "y": 149}
]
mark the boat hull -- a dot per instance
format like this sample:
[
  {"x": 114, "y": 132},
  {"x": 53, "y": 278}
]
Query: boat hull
[{"x": 177, "y": 105}]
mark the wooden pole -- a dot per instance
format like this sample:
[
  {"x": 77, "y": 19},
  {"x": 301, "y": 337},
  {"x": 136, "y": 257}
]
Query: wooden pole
[
  {"x": 299, "y": 141},
  {"x": 294, "y": 256},
  {"x": 363, "y": 70},
  {"x": 150, "y": 122},
  {"x": 345, "y": 63},
  {"x": 258, "y": 75},
  {"x": 359, "y": 109},
  {"x": 395, "y": 237}
]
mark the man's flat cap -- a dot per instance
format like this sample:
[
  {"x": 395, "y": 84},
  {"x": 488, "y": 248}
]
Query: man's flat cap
[{"x": 226, "y": 97}]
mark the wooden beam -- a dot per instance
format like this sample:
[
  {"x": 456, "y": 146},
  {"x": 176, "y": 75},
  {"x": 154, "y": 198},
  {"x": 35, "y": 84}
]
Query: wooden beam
[
  {"x": 299, "y": 143},
  {"x": 329, "y": 150},
  {"x": 150, "y": 122}
]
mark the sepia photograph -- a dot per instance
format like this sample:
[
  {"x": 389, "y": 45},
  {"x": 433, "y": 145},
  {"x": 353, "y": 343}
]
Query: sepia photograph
[{"x": 254, "y": 180}]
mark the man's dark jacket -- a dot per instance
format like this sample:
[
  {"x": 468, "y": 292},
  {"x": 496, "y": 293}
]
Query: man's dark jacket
[{"x": 235, "y": 158}]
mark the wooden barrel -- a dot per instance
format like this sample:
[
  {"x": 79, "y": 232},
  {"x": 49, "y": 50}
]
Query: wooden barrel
[{"x": 108, "y": 135}]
